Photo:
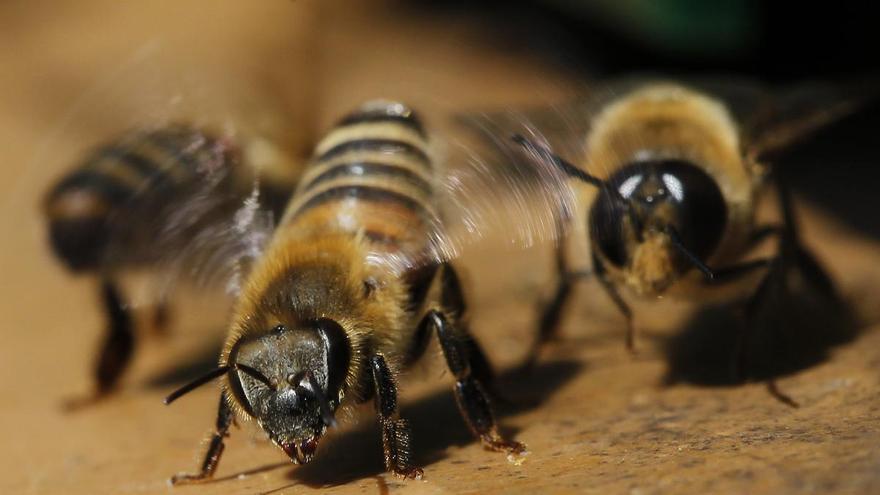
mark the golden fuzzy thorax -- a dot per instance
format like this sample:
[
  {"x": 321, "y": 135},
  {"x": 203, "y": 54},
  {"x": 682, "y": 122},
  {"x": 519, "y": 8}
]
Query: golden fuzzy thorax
[{"x": 326, "y": 276}]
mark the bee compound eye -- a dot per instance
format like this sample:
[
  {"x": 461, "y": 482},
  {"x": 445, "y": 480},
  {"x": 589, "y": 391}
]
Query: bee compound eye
[{"x": 606, "y": 227}]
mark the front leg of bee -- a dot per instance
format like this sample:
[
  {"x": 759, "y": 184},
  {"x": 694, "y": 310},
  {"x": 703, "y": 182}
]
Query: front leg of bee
[
  {"x": 622, "y": 306},
  {"x": 395, "y": 431},
  {"x": 215, "y": 447},
  {"x": 470, "y": 393}
]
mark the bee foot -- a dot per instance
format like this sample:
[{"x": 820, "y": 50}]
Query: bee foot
[
  {"x": 186, "y": 478},
  {"x": 510, "y": 447},
  {"x": 412, "y": 473}
]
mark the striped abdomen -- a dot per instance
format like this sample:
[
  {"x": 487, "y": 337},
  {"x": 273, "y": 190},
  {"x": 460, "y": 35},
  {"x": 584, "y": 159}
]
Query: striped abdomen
[
  {"x": 372, "y": 175},
  {"x": 120, "y": 189}
]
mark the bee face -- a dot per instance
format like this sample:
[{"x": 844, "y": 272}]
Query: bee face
[
  {"x": 631, "y": 219},
  {"x": 302, "y": 369}
]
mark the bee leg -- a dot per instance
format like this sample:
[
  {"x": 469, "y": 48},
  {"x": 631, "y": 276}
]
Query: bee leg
[
  {"x": 470, "y": 395},
  {"x": 116, "y": 350},
  {"x": 548, "y": 326},
  {"x": 118, "y": 345},
  {"x": 768, "y": 290},
  {"x": 215, "y": 447},
  {"x": 622, "y": 306},
  {"x": 452, "y": 298},
  {"x": 395, "y": 431}
]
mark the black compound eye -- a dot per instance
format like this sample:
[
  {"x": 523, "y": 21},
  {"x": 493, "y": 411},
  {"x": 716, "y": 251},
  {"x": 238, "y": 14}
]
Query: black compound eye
[
  {"x": 700, "y": 207},
  {"x": 338, "y": 349},
  {"x": 635, "y": 194},
  {"x": 606, "y": 225}
]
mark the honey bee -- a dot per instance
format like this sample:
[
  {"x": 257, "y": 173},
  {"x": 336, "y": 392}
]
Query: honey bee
[
  {"x": 341, "y": 301},
  {"x": 674, "y": 173},
  {"x": 151, "y": 200}
]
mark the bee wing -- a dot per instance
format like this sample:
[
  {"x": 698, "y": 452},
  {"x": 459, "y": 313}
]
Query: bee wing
[
  {"x": 772, "y": 119},
  {"x": 215, "y": 234},
  {"x": 491, "y": 188}
]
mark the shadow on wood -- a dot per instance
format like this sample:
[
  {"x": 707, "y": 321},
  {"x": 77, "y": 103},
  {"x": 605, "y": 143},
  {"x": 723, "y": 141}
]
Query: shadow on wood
[
  {"x": 436, "y": 424},
  {"x": 797, "y": 320}
]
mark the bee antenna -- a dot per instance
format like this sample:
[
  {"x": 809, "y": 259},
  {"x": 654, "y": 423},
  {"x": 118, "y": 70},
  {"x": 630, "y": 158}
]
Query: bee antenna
[
  {"x": 253, "y": 373},
  {"x": 693, "y": 258},
  {"x": 311, "y": 385},
  {"x": 573, "y": 171},
  {"x": 198, "y": 382},
  {"x": 215, "y": 373},
  {"x": 563, "y": 164}
]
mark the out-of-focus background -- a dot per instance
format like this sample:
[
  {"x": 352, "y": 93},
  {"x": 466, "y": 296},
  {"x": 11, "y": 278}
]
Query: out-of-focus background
[{"x": 596, "y": 419}]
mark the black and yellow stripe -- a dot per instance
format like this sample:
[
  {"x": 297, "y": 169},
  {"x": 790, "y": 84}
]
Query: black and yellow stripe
[
  {"x": 141, "y": 168},
  {"x": 372, "y": 175}
]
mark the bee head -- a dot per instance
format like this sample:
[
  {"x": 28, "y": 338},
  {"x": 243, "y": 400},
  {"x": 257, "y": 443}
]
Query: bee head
[
  {"x": 291, "y": 379},
  {"x": 656, "y": 217}
]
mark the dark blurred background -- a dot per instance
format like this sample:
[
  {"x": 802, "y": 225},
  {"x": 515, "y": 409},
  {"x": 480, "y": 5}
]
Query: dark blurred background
[{"x": 776, "y": 41}]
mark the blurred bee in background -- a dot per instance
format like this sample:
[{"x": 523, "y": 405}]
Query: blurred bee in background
[
  {"x": 353, "y": 284},
  {"x": 675, "y": 172},
  {"x": 175, "y": 201}
]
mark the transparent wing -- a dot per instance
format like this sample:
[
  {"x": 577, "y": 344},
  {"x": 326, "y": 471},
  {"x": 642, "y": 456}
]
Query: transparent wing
[
  {"x": 773, "y": 118},
  {"x": 491, "y": 189},
  {"x": 215, "y": 235}
]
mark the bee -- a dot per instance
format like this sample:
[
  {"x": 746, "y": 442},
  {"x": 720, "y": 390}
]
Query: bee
[
  {"x": 674, "y": 173},
  {"x": 151, "y": 199},
  {"x": 339, "y": 303}
]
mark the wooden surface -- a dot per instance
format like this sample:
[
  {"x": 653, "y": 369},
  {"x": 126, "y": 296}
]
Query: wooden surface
[{"x": 596, "y": 419}]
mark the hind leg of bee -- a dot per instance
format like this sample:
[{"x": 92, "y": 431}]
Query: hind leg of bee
[
  {"x": 116, "y": 349},
  {"x": 773, "y": 282},
  {"x": 118, "y": 345},
  {"x": 395, "y": 431},
  {"x": 215, "y": 447},
  {"x": 622, "y": 306},
  {"x": 470, "y": 393}
]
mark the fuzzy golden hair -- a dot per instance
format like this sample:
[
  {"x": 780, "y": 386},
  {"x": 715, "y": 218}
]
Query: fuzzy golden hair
[
  {"x": 329, "y": 271},
  {"x": 667, "y": 120}
]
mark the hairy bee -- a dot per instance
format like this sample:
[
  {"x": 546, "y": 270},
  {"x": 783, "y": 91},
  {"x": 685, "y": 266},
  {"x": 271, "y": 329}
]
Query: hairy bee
[
  {"x": 333, "y": 311},
  {"x": 152, "y": 199},
  {"x": 676, "y": 171}
]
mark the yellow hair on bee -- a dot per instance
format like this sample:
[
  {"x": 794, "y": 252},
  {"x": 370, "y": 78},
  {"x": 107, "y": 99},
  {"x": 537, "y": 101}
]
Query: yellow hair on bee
[
  {"x": 668, "y": 120},
  {"x": 339, "y": 261}
]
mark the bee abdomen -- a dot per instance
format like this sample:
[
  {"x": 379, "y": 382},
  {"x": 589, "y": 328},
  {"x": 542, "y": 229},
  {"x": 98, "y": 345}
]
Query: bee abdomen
[
  {"x": 372, "y": 174},
  {"x": 87, "y": 208}
]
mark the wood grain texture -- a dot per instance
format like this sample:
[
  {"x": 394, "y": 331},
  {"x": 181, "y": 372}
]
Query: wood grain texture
[{"x": 596, "y": 420}]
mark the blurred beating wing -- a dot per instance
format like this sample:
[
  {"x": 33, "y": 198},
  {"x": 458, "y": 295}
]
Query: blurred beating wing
[{"x": 490, "y": 189}]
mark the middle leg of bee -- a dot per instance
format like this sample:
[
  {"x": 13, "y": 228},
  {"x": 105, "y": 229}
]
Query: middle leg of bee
[
  {"x": 622, "y": 306},
  {"x": 215, "y": 447},
  {"x": 470, "y": 394},
  {"x": 552, "y": 313}
]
